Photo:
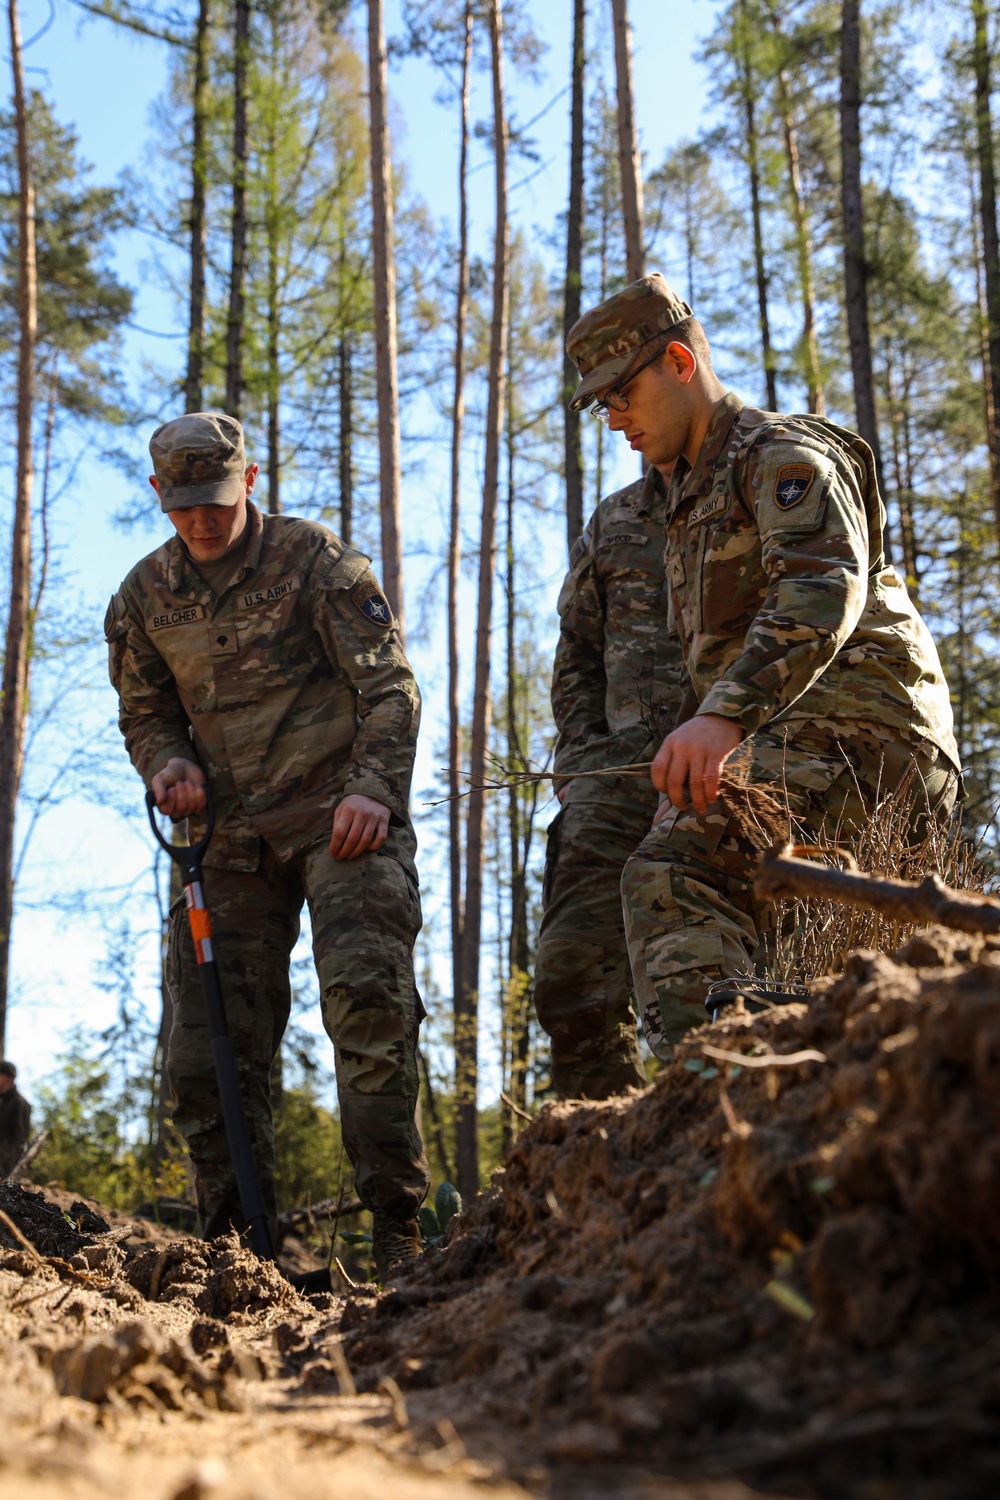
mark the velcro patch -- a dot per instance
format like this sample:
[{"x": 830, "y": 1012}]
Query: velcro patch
[
  {"x": 616, "y": 538},
  {"x": 269, "y": 595},
  {"x": 369, "y": 599},
  {"x": 792, "y": 483},
  {"x": 186, "y": 614},
  {"x": 222, "y": 640},
  {"x": 713, "y": 506}
]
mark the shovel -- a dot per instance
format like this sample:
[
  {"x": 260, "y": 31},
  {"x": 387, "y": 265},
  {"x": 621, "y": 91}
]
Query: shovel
[{"x": 188, "y": 857}]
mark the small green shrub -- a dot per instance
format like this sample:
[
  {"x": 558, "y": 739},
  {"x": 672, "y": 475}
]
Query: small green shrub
[{"x": 434, "y": 1221}]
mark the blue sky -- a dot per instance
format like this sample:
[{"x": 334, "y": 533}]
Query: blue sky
[{"x": 104, "y": 83}]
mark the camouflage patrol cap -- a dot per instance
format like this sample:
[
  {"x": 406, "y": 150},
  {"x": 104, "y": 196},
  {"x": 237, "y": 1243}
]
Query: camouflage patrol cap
[
  {"x": 199, "y": 459},
  {"x": 604, "y": 342}
]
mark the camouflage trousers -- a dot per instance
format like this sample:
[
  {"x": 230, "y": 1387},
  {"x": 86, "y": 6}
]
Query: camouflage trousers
[
  {"x": 583, "y": 985},
  {"x": 365, "y": 918},
  {"x": 690, "y": 913}
]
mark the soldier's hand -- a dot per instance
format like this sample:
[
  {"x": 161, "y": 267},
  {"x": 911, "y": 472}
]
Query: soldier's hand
[
  {"x": 359, "y": 824},
  {"x": 689, "y": 762},
  {"x": 179, "y": 788}
]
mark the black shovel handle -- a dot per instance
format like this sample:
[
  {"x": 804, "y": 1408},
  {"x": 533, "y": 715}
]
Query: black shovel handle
[{"x": 188, "y": 856}]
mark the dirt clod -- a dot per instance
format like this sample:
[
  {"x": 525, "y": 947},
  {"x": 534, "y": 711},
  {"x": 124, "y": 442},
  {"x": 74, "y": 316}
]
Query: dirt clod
[
  {"x": 136, "y": 1363},
  {"x": 218, "y": 1278}
]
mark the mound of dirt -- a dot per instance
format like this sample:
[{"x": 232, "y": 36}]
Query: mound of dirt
[
  {"x": 781, "y": 1260},
  {"x": 52, "y": 1227},
  {"x": 779, "y": 1266}
]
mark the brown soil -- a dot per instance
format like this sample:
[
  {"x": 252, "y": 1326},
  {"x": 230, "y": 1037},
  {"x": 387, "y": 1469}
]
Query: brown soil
[
  {"x": 790, "y": 1273},
  {"x": 779, "y": 1278}
]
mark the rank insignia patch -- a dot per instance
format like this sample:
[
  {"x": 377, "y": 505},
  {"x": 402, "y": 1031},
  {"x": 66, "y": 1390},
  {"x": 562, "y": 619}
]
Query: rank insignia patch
[
  {"x": 792, "y": 483},
  {"x": 372, "y": 604}
]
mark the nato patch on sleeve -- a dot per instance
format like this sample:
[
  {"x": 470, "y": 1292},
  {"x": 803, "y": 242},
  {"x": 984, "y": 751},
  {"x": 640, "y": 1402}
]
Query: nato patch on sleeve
[
  {"x": 372, "y": 603},
  {"x": 791, "y": 484}
]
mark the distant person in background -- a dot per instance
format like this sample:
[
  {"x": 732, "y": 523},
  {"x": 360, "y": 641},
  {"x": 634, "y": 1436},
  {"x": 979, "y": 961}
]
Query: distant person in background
[{"x": 15, "y": 1120}]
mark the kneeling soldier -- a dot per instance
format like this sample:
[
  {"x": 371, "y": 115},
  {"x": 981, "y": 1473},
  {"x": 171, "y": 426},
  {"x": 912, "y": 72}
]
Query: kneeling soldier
[
  {"x": 258, "y": 652},
  {"x": 805, "y": 655},
  {"x": 616, "y": 689}
]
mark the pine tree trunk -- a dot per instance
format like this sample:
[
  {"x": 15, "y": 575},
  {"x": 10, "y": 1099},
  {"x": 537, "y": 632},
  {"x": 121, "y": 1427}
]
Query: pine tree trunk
[
  {"x": 604, "y": 239},
  {"x": 437, "y": 1131},
  {"x": 195, "y": 377},
  {"x": 273, "y": 293},
  {"x": 455, "y": 529},
  {"x": 753, "y": 169},
  {"x": 904, "y": 495},
  {"x": 855, "y": 260},
  {"x": 466, "y": 1020},
  {"x": 982, "y": 66},
  {"x": 575, "y": 219},
  {"x": 803, "y": 246},
  {"x": 273, "y": 393},
  {"x": 509, "y": 1001},
  {"x": 386, "y": 379},
  {"x": 238, "y": 236},
  {"x": 15, "y": 667},
  {"x": 43, "y": 509},
  {"x": 989, "y": 409},
  {"x": 345, "y": 405},
  {"x": 628, "y": 145},
  {"x": 517, "y": 942},
  {"x": 690, "y": 242}
]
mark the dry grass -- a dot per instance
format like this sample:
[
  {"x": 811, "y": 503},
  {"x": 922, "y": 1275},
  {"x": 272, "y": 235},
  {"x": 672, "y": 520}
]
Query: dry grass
[{"x": 811, "y": 938}]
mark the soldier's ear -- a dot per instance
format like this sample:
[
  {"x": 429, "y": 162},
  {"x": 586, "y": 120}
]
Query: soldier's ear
[
  {"x": 155, "y": 483},
  {"x": 682, "y": 360}
]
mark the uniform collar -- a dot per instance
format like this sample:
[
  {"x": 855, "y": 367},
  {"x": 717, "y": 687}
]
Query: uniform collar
[
  {"x": 183, "y": 577},
  {"x": 251, "y": 560},
  {"x": 697, "y": 478},
  {"x": 653, "y": 485},
  {"x": 640, "y": 497}
]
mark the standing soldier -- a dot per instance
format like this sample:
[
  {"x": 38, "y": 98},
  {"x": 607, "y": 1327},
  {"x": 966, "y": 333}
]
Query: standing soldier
[
  {"x": 809, "y": 663},
  {"x": 258, "y": 652},
  {"x": 615, "y": 692},
  {"x": 15, "y": 1120}
]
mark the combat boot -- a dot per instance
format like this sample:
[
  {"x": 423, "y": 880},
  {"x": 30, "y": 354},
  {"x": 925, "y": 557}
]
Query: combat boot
[
  {"x": 395, "y": 1242},
  {"x": 751, "y": 994}
]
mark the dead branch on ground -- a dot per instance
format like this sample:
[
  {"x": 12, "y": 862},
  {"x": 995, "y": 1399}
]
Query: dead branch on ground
[
  {"x": 782, "y": 874},
  {"x": 516, "y": 1109},
  {"x": 329, "y": 1208},
  {"x": 771, "y": 1060}
]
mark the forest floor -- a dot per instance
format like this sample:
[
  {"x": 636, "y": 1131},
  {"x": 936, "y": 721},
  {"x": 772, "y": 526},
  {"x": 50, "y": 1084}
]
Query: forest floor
[{"x": 773, "y": 1275}]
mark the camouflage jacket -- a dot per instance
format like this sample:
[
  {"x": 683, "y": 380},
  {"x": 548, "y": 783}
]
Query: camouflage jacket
[
  {"x": 291, "y": 684},
  {"x": 616, "y": 681},
  {"x": 786, "y": 608}
]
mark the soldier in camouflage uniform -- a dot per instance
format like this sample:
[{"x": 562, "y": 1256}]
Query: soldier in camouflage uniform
[
  {"x": 615, "y": 692},
  {"x": 259, "y": 651},
  {"x": 808, "y": 663}
]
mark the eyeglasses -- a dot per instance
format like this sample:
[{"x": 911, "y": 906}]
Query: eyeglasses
[{"x": 615, "y": 400}]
